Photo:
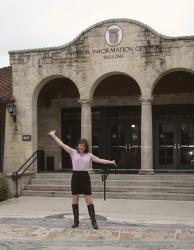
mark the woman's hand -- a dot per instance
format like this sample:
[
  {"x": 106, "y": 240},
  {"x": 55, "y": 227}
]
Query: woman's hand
[
  {"x": 114, "y": 163},
  {"x": 52, "y": 132},
  {"x": 59, "y": 142}
]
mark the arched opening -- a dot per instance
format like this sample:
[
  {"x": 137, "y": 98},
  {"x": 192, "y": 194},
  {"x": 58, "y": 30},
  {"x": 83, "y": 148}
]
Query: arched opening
[
  {"x": 116, "y": 116},
  {"x": 174, "y": 121},
  {"x": 57, "y": 98},
  {"x": 117, "y": 85}
]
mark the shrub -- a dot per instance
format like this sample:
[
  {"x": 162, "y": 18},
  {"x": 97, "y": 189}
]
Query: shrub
[{"x": 3, "y": 189}]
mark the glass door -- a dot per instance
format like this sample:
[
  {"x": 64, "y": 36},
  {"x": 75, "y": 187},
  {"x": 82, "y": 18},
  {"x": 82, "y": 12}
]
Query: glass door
[
  {"x": 125, "y": 146},
  {"x": 185, "y": 146},
  {"x": 166, "y": 145},
  {"x": 116, "y": 135},
  {"x": 175, "y": 145},
  {"x": 135, "y": 145},
  {"x": 119, "y": 143}
]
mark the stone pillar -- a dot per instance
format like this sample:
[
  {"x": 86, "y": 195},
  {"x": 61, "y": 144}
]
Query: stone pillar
[
  {"x": 86, "y": 120},
  {"x": 146, "y": 136}
]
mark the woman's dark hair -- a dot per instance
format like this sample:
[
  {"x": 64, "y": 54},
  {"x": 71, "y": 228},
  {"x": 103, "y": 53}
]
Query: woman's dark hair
[{"x": 85, "y": 142}]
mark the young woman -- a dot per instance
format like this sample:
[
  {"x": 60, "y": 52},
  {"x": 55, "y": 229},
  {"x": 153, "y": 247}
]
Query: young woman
[{"x": 80, "y": 182}]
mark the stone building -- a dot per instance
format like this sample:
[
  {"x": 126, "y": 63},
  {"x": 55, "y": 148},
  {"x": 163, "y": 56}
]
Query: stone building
[{"x": 126, "y": 88}]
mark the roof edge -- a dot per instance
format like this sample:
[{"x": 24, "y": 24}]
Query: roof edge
[{"x": 101, "y": 23}]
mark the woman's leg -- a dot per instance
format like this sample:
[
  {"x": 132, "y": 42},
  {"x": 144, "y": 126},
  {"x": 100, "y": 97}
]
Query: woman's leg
[
  {"x": 75, "y": 198},
  {"x": 75, "y": 207},
  {"x": 88, "y": 199},
  {"x": 91, "y": 211}
]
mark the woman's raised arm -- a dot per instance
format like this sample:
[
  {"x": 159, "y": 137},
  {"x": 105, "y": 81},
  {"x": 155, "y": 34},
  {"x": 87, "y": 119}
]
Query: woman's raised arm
[{"x": 59, "y": 142}]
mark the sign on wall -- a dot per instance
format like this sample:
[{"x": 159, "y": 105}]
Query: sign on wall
[{"x": 26, "y": 137}]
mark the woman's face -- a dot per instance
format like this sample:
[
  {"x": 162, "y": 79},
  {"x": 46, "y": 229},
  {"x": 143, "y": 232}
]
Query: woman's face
[{"x": 81, "y": 148}]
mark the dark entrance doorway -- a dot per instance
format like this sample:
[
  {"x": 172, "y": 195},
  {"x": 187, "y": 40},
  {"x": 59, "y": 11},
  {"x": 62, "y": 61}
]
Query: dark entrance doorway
[
  {"x": 56, "y": 93},
  {"x": 70, "y": 132},
  {"x": 174, "y": 138},
  {"x": 116, "y": 130},
  {"x": 115, "y": 135}
]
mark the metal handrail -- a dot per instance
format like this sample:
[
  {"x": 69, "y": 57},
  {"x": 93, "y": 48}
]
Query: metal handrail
[
  {"x": 106, "y": 170},
  {"x": 16, "y": 175}
]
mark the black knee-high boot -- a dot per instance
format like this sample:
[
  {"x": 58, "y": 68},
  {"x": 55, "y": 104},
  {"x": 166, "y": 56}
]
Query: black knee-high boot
[
  {"x": 92, "y": 216},
  {"x": 76, "y": 215}
]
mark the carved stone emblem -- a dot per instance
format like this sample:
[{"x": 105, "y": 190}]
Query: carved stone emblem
[{"x": 113, "y": 35}]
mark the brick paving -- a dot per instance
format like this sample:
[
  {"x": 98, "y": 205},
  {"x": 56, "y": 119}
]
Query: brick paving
[
  {"x": 44, "y": 223},
  {"x": 55, "y": 232}
]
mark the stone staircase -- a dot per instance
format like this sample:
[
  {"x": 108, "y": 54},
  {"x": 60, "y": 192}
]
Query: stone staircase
[{"x": 121, "y": 186}]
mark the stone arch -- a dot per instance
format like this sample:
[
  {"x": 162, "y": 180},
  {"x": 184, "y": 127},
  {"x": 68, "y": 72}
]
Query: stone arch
[
  {"x": 43, "y": 82},
  {"x": 36, "y": 93},
  {"x": 164, "y": 74},
  {"x": 112, "y": 74},
  {"x": 116, "y": 118},
  {"x": 173, "y": 105}
]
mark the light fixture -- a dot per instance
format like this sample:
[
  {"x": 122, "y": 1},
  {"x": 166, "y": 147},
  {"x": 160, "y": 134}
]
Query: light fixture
[{"x": 11, "y": 108}]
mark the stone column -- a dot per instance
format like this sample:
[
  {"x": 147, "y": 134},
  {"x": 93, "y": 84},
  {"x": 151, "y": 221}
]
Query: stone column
[
  {"x": 146, "y": 136},
  {"x": 86, "y": 120}
]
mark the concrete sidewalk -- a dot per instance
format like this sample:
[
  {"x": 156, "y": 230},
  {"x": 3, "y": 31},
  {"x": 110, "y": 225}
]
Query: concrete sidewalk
[
  {"x": 45, "y": 223},
  {"x": 120, "y": 210}
]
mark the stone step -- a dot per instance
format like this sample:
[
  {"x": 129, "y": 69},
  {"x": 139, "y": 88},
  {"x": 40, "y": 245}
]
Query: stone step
[
  {"x": 109, "y": 188},
  {"x": 126, "y": 186},
  {"x": 162, "y": 183},
  {"x": 118, "y": 195},
  {"x": 167, "y": 176}
]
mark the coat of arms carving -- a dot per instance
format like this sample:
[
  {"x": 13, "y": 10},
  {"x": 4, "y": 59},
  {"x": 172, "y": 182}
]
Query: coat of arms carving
[{"x": 113, "y": 35}]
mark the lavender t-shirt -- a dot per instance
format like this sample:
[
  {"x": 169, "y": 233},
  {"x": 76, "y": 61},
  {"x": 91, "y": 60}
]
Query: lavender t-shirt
[{"x": 80, "y": 162}]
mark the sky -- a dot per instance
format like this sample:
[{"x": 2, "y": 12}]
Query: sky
[{"x": 29, "y": 24}]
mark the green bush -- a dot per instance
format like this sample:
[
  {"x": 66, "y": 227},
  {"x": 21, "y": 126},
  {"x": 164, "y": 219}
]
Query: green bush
[{"x": 3, "y": 189}]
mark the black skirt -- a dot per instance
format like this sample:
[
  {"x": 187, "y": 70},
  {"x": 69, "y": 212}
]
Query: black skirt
[{"x": 80, "y": 183}]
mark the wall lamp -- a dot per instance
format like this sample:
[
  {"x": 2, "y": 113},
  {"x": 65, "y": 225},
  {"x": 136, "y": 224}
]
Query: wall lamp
[{"x": 11, "y": 108}]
